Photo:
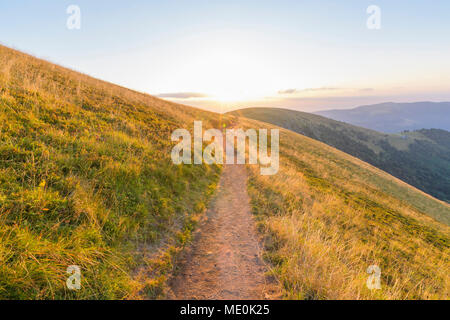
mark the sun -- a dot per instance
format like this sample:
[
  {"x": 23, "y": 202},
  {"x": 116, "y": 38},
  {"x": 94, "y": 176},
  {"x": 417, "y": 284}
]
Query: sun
[{"x": 229, "y": 70}]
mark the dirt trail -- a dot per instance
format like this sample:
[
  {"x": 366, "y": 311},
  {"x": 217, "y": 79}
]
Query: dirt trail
[{"x": 225, "y": 261}]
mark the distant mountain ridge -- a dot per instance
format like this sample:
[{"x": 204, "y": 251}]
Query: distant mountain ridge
[
  {"x": 420, "y": 158},
  {"x": 393, "y": 117}
]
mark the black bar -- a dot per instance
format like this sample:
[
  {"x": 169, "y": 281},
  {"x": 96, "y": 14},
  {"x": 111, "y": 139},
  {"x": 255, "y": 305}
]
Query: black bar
[{"x": 224, "y": 309}]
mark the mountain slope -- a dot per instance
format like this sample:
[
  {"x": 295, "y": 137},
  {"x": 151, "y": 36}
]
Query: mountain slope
[
  {"x": 326, "y": 217},
  {"x": 86, "y": 179},
  {"x": 420, "y": 158},
  {"x": 393, "y": 117}
]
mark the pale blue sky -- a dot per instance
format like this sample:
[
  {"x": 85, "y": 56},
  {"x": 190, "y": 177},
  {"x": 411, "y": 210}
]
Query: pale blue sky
[{"x": 241, "y": 53}]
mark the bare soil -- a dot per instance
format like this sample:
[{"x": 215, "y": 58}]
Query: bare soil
[{"x": 225, "y": 261}]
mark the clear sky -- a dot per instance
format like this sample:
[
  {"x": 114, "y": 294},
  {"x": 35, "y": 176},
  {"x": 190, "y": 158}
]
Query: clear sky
[{"x": 306, "y": 55}]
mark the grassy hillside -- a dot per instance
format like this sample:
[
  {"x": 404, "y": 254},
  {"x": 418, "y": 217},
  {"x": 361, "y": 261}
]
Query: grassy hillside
[
  {"x": 86, "y": 179},
  {"x": 327, "y": 216},
  {"x": 420, "y": 158}
]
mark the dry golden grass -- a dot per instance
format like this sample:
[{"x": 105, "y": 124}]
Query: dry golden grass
[
  {"x": 86, "y": 179},
  {"x": 326, "y": 217}
]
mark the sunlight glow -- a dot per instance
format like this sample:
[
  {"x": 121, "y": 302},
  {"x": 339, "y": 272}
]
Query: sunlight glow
[{"x": 228, "y": 68}]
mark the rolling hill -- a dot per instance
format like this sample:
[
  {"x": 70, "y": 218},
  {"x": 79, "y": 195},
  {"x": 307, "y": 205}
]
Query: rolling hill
[
  {"x": 393, "y": 117},
  {"x": 86, "y": 179},
  {"x": 420, "y": 158},
  {"x": 327, "y": 216}
]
